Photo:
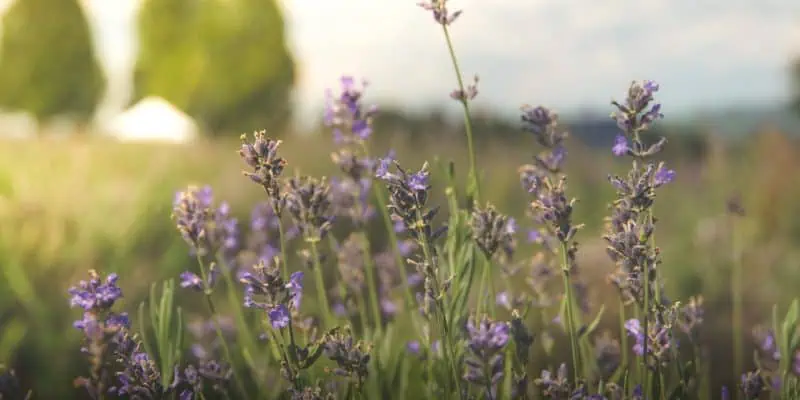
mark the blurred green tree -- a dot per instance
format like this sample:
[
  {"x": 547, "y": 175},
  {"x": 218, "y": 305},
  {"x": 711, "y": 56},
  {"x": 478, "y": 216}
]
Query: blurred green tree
[
  {"x": 224, "y": 62},
  {"x": 48, "y": 64}
]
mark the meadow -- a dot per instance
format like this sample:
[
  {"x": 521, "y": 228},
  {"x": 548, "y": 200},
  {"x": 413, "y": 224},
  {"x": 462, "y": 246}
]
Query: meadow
[{"x": 356, "y": 292}]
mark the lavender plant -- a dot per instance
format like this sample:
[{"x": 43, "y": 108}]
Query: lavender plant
[{"x": 377, "y": 330}]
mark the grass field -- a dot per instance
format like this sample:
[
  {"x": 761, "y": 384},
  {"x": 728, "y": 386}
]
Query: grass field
[{"x": 76, "y": 204}]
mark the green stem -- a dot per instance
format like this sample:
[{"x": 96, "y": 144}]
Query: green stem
[
  {"x": 492, "y": 292},
  {"x": 440, "y": 310},
  {"x": 646, "y": 311},
  {"x": 224, "y": 343},
  {"x": 623, "y": 335},
  {"x": 282, "y": 241},
  {"x": 320, "y": 282},
  {"x": 565, "y": 272},
  {"x": 736, "y": 294},
  {"x": 482, "y": 289},
  {"x": 250, "y": 342},
  {"x": 369, "y": 267},
  {"x": 215, "y": 316},
  {"x": 473, "y": 168}
]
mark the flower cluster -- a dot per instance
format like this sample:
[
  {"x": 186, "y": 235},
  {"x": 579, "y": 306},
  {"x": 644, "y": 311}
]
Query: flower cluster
[
  {"x": 351, "y": 122},
  {"x": 262, "y": 157},
  {"x": 308, "y": 201},
  {"x": 408, "y": 197},
  {"x": 486, "y": 341},
  {"x": 659, "y": 339},
  {"x": 206, "y": 228},
  {"x": 97, "y": 296},
  {"x": 351, "y": 357},
  {"x": 440, "y": 12},
  {"x": 493, "y": 231},
  {"x": 266, "y": 289}
]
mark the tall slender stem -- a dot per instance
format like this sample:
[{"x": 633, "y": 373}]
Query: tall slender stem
[
  {"x": 473, "y": 168},
  {"x": 214, "y": 316},
  {"x": 320, "y": 282},
  {"x": 623, "y": 335},
  {"x": 565, "y": 272},
  {"x": 736, "y": 294},
  {"x": 440, "y": 310}
]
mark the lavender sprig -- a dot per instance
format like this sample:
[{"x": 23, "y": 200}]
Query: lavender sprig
[
  {"x": 97, "y": 296},
  {"x": 551, "y": 209},
  {"x": 632, "y": 225},
  {"x": 485, "y": 361}
]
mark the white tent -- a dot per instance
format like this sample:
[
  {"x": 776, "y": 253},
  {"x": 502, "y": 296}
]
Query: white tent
[{"x": 153, "y": 119}]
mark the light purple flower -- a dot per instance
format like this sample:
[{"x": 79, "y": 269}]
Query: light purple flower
[
  {"x": 663, "y": 176},
  {"x": 279, "y": 317},
  {"x": 620, "y": 146}
]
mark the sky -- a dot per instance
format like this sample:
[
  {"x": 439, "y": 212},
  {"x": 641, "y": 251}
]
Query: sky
[{"x": 567, "y": 54}]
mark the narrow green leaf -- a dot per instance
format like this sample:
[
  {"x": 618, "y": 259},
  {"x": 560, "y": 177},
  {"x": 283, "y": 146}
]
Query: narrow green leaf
[{"x": 593, "y": 325}]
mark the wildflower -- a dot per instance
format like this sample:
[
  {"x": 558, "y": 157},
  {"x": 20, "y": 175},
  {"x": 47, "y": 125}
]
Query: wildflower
[
  {"x": 388, "y": 307},
  {"x": 96, "y": 295},
  {"x": 636, "y": 113},
  {"x": 503, "y": 299},
  {"x": 556, "y": 387},
  {"x": 345, "y": 112},
  {"x": 486, "y": 341},
  {"x": 350, "y": 199},
  {"x": 279, "y": 316},
  {"x": 607, "y": 354},
  {"x": 311, "y": 393},
  {"x": 100, "y": 325},
  {"x": 553, "y": 209},
  {"x": 191, "y": 280},
  {"x": 408, "y": 199},
  {"x": 351, "y": 358},
  {"x": 467, "y": 94},
  {"x": 413, "y": 347},
  {"x": 663, "y": 176},
  {"x": 691, "y": 316},
  {"x": 205, "y": 229},
  {"x": 543, "y": 124},
  {"x": 493, "y": 231},
  {"x": 140, "y": 375},
  {"x": 266, "y": 289},
  {"x": 752, "y": 384},
  {"x": 659, "y": 340},
  {"x": 262, "y": 157},
  {"x": 523, "y": 338},
  {"x": 308, "y": 201},
  {"x": 620, "y": 146},
  {"x": 440, "y": 12}
]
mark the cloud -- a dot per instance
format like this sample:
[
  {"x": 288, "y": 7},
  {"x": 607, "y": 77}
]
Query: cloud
[{"x": 567, "y": 53}]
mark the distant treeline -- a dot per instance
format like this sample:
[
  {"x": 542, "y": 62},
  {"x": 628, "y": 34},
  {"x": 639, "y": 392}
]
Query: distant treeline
[{"x": 225, "y": 63}]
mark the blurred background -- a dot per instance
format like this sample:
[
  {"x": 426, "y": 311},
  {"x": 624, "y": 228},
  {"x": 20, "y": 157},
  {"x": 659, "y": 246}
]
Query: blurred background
[{"x": 109, "y": 107}]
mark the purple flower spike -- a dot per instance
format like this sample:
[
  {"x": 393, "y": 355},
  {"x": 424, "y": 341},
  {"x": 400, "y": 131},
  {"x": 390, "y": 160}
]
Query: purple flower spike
[
  {"x": 95, "y": 294},
  {"x": 350, "y": 120}
]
